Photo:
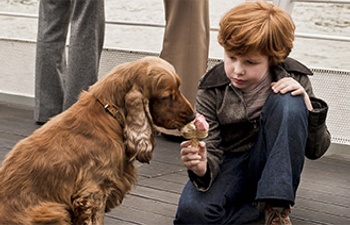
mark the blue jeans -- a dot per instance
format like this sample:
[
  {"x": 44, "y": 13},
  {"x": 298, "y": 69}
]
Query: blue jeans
[{"x": 269, "y": 171}]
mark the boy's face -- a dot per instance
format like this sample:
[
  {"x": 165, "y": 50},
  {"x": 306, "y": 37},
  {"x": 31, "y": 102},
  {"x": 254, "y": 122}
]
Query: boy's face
[{"x": 246, "y": 71}]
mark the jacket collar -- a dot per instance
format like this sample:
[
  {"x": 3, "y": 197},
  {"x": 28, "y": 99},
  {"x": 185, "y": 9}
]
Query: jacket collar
[{"x": 216, "y": 76}]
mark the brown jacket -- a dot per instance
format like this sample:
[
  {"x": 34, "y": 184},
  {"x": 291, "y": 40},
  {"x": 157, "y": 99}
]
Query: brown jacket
[{"x": 230, "y": 129}]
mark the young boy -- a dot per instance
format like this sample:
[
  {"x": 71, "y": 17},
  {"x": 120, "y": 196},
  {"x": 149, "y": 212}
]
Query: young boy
[{"x": 263, "y": 119}]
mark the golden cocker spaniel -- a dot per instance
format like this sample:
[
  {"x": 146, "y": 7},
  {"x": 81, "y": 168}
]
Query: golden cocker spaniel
[{"x": 80, "y": 164}]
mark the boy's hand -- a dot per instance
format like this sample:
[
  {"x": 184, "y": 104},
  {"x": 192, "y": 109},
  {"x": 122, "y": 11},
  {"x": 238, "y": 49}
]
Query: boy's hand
[
  {"x": 194, "y": 158},
  {"x": 288, "y": 84}
]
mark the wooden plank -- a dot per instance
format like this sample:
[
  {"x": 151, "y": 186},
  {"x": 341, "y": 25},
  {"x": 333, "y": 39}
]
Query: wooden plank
[
  {"x": 160, "y": 195},
  {"x": 149, "y": 205},
  {"x": 300, "y": 221},
  {"x": 167, "y": 151},
  {"x": 314, "y": 192},
  {"x": 158, "y": 168},
  {"x": 327, "y": 208},
  {"x": 333, "y": 163},
  {"x": 174, "y": 186},
  {"x": 318, "y": 217},
  {"x": 179, "y": 177},
  {"x": 156, "y": 203},
  {"x": 328, "y": 175},
  {"x": 325, "y": 186},
  {"x": 139, "y": 216},
  {"x": 7, "y": 141},
  {"x": 112, "y": 220}
]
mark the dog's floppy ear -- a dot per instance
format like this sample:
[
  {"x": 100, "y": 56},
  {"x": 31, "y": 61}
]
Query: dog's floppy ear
[{"x": 139, "y": 131}]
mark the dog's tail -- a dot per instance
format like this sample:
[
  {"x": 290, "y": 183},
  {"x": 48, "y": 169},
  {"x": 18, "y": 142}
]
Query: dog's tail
[{"x": 50, "y": 213}]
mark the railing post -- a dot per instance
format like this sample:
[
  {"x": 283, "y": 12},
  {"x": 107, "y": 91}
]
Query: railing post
[{"x": 287, "y": 5}]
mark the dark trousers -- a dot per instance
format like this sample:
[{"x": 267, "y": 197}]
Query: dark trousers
[
  {"x": 59, "y": 81},
  {"x": 269, "y": 171}
]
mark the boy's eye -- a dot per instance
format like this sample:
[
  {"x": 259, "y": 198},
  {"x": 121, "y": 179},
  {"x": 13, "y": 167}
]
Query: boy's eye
[
  {"x": 252, "y": 62},
  {"x": 232, "y": 57}
]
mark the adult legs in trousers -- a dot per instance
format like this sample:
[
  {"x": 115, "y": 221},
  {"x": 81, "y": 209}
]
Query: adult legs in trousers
[
  {"x": 58, "y": 82},
  {"x": 186, "y": 41}
]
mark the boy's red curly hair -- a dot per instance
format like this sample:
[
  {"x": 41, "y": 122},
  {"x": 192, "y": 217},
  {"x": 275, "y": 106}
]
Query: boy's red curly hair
[{"x": 257, "y": 27}]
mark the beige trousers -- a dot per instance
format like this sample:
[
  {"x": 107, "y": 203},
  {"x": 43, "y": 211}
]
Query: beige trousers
[{"x": 186, "y": 41}]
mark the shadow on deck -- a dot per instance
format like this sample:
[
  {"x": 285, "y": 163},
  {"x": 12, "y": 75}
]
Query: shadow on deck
[{"x": 323, "y": 196}]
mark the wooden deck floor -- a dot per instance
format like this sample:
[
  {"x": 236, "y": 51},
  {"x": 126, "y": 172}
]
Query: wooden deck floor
[{"x": 323, "y": 196}]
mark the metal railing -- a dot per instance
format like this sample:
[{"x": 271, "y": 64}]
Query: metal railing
[
  {"x": 322, "y": 1},
  {"x": 288, "y": 5},
  {"x": 213, "y": 29}
]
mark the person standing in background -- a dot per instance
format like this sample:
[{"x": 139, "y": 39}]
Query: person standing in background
[
  {"x": 186, "y": 41},
  {"x": 58, "y": 82},
  {"x": 186, "y": 45}
]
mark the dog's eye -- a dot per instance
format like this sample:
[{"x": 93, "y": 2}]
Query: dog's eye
[{"x": 167, "y": 97}]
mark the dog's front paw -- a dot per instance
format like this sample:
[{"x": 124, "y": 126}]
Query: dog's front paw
[{"x": 83, "y": 211}]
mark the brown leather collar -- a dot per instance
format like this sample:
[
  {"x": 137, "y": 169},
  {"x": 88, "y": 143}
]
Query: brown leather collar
[{"x": 114, "y": 111}]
